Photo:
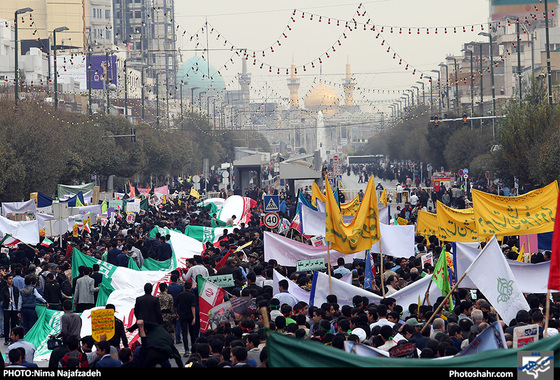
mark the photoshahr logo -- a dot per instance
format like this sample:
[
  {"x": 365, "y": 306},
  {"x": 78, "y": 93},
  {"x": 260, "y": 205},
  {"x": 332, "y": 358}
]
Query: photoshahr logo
[{"x": 535, "y": 365}]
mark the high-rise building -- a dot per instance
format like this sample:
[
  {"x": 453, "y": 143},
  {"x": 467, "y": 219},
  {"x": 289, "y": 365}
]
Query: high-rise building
[
  {"x": 88, "y": 22},
  {"x": 146, "y": 29}
]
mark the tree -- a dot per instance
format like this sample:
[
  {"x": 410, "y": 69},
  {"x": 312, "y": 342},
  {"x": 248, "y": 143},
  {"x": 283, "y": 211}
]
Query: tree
[
  {"x": 528, "y": 137},
  {"x": 466, "y": 144}
]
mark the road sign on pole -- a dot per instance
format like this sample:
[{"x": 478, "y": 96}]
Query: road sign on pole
[
  {"x": 271, "y": 220},
  {"x": 271, "y": 203}
]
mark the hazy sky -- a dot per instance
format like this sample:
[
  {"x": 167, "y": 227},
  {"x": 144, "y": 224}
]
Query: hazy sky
[{"x": 306, "y": 36}]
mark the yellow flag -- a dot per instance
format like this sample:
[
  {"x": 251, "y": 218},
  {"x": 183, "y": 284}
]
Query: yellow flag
[
  {"x": 530, "y": 213},
  {"x": 426, "y": 224},
  {"x": 457, "y": 225},
  {"x": 362, "y": 232},
  {"x": 194, "y": 193},
  {"x": 348, "y": 208},
  {"x": 316, "y": 193},
  {"x": 79, "y": 202},
  {"x": 521, "y": 255},
  {"x": 383, "y": 198}
]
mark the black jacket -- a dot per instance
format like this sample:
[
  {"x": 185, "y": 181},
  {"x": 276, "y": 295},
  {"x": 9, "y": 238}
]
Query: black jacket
[
  {"x": 147, "y": 307},
  {"x": 5, "y": 296}
]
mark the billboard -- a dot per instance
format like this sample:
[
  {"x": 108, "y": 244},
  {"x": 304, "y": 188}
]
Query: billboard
[
  {"x": 99, "y": 70},
  {"x": 71, "y": 66},
  {"x": 76, "y": 67}
]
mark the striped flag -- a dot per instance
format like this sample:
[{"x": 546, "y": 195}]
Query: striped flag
[
  {"x": 209, "y": 296},
  {"x": 46, "y": 242},
  {"x": 9, "y": 241}
]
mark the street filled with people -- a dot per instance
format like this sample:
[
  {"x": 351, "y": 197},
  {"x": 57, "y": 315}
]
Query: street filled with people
[{"x": 166, "y": 329}]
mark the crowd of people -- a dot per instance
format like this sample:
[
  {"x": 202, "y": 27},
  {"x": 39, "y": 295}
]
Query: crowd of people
[{"x": 168, "y": 317}]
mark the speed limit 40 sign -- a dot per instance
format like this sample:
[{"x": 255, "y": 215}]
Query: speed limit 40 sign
[{"x": 271, "y": 220}]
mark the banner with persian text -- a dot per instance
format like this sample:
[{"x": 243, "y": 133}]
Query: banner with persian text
[{"x": 530, "y": 213}]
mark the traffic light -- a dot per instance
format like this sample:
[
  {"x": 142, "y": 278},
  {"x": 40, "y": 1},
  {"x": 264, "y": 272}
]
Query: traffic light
[
  {"x": 133, "y": 134},
  {"x": 465, "y": 119},
  {"x": 436, "y": 120}
]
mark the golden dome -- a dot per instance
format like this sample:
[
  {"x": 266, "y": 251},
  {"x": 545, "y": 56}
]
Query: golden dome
[{"x": 321, "y": 97}]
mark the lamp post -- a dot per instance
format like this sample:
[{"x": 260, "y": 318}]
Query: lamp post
[
  {"x": 56, "y": 30},
  {"x": 411, "y": 96},
  {"x": 423, "y": 93},
  {"x": 547, "y": 48},
  {"x": 125, "y": 90},
  {"x": 16, "y": 47},
  {"x": 431, "y": 95},
  {"x": 439, "y": 87},
  {"x": 517, "y": 44},
  {"x": 489, "y": 35},
  {"x": 417, "y": 94},
  {"x": 472, "y": 81},
  {"x": 456, "y": 81},
  {"x": 446, "y": 83}
]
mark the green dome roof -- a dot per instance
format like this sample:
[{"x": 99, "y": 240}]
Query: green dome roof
[{"x": 197, "y": 76}]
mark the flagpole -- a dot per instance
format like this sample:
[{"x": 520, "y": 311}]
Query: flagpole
[
  {"x": 329, "y": 268},
  {"x": 382, "y": 272},
  {"x": 443, "y": 302},
  {"x": 547, "y": 313}
]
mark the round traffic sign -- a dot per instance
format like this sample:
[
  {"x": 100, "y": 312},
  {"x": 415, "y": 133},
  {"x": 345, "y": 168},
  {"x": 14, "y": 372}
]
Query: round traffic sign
[{"x": 271, "y": 220}]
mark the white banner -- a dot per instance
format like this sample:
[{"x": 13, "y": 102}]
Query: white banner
[
  {"x": 18, "y": 207},
  {"x": 494, "y": 278},
  {"x": 27, "y": 231},
  {"x": 396, "y": 240},
  {"x": 288, "y": 252},
  {"x": 531, "y": 278},
  {"x": 345, "y": 292}
]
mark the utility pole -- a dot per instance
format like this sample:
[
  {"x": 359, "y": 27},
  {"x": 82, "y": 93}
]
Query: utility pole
[
  {"x": 125, "y": 91},
  {"x": 16, "y": 55}
]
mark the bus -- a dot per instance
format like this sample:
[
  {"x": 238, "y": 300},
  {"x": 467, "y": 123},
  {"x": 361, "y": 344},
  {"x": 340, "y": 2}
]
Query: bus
[{"x": 370, "y": 159}]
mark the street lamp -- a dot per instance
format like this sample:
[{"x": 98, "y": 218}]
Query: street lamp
[
  {"x": 456, "y": 81},
  {"x": 446, "y": 83},
  {"x": 423, "y": 93},
  {"x": 439, "y": 87},
  {"x": 517, "y": 44},
  {"x": 16, "y": 47},
  {"x": 56, "y": 30},
  {"x": 547, "y": 49},
  {"x": 489, "y": 35},
  {"x": 472, "y": 81},
  {"x": 417, "y": 94}
]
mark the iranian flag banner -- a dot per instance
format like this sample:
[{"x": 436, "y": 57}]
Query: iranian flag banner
[
  {"x": 114, "y": 277},
  {"x": 9, "y": 241},
  {"x": 46, "y": 242},
  {"x": 209, "y": 296},
  {"x": 204, "y": 234}
]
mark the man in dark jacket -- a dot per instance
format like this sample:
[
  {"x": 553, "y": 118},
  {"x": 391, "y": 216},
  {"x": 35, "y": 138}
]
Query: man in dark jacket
[
  {"x": 52, "y": 293},
  {"x": 11, "y": 306},
  {"x": 147, "y": 307},
  {"x": 164, "y": 251},
  {"x": 113, "y": 253}
]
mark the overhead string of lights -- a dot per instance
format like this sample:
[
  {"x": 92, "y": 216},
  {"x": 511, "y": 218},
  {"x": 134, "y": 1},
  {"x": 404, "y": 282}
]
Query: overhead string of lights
[{"x": 348, "y": 25}]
